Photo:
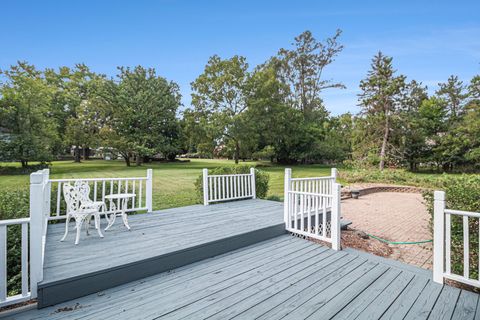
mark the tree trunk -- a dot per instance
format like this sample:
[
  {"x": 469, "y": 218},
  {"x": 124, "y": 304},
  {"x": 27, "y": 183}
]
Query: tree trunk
[
  {"x": 138, "y": 160},
  {"x": 24, "y": 163},
  {"x": 237, "y": 152},
  {"x": 384, "y": 143},
  {"x": 84, "y": 151},
  {"x": 127, "y": 159},
  {"x": 77, "y": 154}
]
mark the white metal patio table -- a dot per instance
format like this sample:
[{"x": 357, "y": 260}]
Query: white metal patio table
[{"x": 122, "y": 202}]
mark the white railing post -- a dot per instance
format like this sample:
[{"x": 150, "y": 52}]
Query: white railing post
[
  {"x": 335, "y": 217},
  {"x": 288, "y": 177},
  {"x": 149, "y": 190},
  {"x": 254, "y": 190},
  {"x": 205, "y": 187},
  {"x": 438, "y": 235},
  {"x": 36, "y": 229},
  {"x": 45, "y": 208},
  {"x": 334, "y": 174}
]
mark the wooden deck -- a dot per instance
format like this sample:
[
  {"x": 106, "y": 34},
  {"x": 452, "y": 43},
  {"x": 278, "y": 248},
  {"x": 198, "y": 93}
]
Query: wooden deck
[
  {"x": 158, "y": 241},
  {"x": 284, "y": 277}
]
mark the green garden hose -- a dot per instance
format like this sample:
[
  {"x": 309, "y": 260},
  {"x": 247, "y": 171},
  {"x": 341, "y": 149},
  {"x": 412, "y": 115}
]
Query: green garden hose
[{"x": 399, "y": 242}]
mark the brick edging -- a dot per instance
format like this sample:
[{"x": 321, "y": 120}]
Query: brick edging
[{"x": 401, "y": 189}]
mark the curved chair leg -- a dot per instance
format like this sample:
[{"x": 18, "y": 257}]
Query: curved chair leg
[
  {"x": 87, "y": 224},
  {"x": 67, "y": 222},
  {"x": 97, "y": 225},
  {"x": 78, "y": 223}
]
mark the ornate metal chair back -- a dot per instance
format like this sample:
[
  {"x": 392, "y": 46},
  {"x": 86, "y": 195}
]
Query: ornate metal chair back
[
  {"x": 72, "y": 198},
  {"x": 84, "y": 191}
]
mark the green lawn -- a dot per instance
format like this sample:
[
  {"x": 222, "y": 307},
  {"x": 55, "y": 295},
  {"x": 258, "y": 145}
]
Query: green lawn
[{"x": 173, "y": 183}]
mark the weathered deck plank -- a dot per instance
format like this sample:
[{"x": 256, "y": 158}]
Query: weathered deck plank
[
  {"x": 466, "y": 306},
  {"x": 159, "y": 233},
  {"x": 158, "y": 242},
  {"x": 284, "y": 277}
]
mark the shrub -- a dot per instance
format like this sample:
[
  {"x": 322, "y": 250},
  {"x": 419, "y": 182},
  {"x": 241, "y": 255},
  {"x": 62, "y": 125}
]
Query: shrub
[
  {"x": 392, "y": 176},
  {"x": 12, "y": 170},
  {"x": 14, "y": 204},
  {"x": 462, "y": 193},
  {"x": 261, "y": 179},
  {"x": 274, "y": 198}
]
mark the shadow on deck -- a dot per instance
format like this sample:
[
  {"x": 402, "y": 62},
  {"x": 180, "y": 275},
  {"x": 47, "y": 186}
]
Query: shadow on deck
[{"x": 158, "y": 242}]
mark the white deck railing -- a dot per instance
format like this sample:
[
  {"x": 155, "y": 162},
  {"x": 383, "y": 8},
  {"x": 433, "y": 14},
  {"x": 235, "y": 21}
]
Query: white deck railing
[
  {"x": 312, "y": 207},
  {"x": 442, "y": 242},
  {"x": 226, "y": 187},
  {"x": 41, "y": 197},
  {"x": 101, "y": 187},
  {"x": 24, "y": 295}
]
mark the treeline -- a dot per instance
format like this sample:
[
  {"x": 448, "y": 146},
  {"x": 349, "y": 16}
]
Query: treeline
[
  {"x": 44, "y": 114},
  {"x": 271, "y": 111},
  {"x": 276, "y": 112}
]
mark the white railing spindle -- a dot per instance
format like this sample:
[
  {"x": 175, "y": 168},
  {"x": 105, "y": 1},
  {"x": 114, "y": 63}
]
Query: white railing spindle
[{"x": 225, "y": 187}]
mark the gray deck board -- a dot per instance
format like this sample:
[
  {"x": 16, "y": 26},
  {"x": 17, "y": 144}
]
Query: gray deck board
[
  {"x": 426, "y": 300},
  {"x": 284, "y": 277},
  {"x": 364, "y": 299},
  {"x": 383, "y": 301},
  {"x": 405, "y": 301},
  {"x": 466, "y": 306},
  {"x": 160, "y": 232},
  {"x": 445, "y": 304}
]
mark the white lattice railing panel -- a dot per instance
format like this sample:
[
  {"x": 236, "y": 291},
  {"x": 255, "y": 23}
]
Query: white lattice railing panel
[{"x": 312, "y": 207}]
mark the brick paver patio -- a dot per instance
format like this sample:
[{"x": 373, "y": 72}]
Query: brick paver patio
[{"x": 395, "y": 217}]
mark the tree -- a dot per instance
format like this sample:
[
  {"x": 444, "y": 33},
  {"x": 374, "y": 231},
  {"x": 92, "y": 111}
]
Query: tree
[
  {"x": 430, "y": 123},
  {"x": 277, "y": 124},
  {"x": 29, "y": 131},
  {"x": 140, "y": 111},
  {"x": 219, "y": 100},
  {"x": 74, "y": 106},
  {"x": 453, "y": 92},
  {"x": 411, "y": 138},
  {"x": 380, "y": 98},
  {"x": 474, "y": 88},
  {"x": 301, "y": 70}
]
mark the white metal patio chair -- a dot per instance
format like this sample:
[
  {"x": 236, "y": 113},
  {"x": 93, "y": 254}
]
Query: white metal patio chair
[
  {"x": 80, "y": 210},
  {"x": 84, "y": 189}
]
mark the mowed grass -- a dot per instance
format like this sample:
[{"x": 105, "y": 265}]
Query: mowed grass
[{"x": 173, "y": 183}]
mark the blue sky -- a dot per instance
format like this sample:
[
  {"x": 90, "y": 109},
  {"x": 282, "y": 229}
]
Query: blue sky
[{"x": 429, "y": 40}]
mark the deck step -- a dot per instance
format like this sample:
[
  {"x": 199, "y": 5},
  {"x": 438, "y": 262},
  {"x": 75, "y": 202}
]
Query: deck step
[
  {"x": 71, "y": 288},
  {"x": 158, "y": 242}
]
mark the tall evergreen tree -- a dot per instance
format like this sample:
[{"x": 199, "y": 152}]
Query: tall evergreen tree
[
  {"x": 454, "y": 93},
  {"x": 380, "y": 97}
]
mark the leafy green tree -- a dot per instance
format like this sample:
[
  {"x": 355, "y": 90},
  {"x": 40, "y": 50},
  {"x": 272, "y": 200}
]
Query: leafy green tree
[
  {"x": 74, "y": 106},
  {"x": 28, "y": 132},
  {"x": 277, "y": 124},
  {"x": 219, "y": 101},
  {"x": 140, "y": 112},
  {"x": 380, "y": 97}
]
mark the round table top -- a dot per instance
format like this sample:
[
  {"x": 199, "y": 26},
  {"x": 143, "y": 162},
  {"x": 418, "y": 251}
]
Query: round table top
[{"x": 120, "y": 196}]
